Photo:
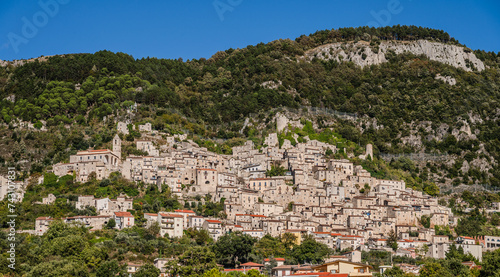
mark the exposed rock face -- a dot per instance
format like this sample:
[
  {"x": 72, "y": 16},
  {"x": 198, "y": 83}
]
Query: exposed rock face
[
  {"x": 362, "y": 54},
  {"x": 271, "y": 84},
  {"x": 447, "y": 79},
  {"x": 16, "y": 63}
]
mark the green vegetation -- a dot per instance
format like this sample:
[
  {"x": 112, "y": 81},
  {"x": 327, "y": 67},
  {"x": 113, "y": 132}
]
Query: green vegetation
[
  {"x": 73, "y": 102},
  {"x": 73, "y": 250},
  {"x": 209, "y": 99}
]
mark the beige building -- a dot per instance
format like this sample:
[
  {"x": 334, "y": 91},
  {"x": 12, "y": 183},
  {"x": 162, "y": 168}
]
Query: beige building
[
  {"x": 345, "y": 267},
  {"x": 171, "y": 224},
  {"x": 123, "y": 220},
  {"x": 185, "y": 215},
  {"x": 101, "y": 162},
  {"x": 206, "y": 180},
  {"x": 214, "y": 228},
  {"x": 42, "y": 225}
]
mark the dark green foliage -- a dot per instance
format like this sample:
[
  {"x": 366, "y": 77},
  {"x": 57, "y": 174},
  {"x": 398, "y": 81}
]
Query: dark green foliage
[
  {"x": 111, "y": 269},
  {"x": 111, "y": 223},
  {"x": 276, "y": 170},
  {"x": 233, "y": 248},
  {"x": 392, "y": 240},
  {"x": 310, "y": 251},
  {"x": 201, "y": 236},
  {"x": 425, "y": 220},
  {"x": 193, "y": 262},
  {"x": 468, "y": 226},
  {"x": 491, "y": 264},
  {"x": 147, "y": 270}
]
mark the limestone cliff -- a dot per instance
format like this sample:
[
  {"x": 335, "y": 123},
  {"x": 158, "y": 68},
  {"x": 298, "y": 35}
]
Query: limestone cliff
[{"x": 362, "y": 54}]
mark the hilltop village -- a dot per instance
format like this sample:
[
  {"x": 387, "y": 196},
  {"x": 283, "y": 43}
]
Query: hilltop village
[{"x": 340, "y": 204}]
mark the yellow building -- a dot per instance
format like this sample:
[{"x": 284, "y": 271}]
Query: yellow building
[
  {"x": 345, "y": 267},
  {"x": 297, "y": 234}
]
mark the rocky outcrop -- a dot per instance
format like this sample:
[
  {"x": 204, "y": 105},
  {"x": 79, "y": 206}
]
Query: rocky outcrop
[
  {"x": 447, "y": 79},
  {"x": 17, "y": 63},
  {"x": 271, "y": 84},
  {"x": 362, "y": 54}
]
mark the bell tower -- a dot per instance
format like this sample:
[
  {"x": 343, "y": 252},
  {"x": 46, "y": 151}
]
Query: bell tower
[{"x": 117, "y": 146}]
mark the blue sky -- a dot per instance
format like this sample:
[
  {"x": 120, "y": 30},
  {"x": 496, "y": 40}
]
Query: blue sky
[{"x": 195, "y": 29}]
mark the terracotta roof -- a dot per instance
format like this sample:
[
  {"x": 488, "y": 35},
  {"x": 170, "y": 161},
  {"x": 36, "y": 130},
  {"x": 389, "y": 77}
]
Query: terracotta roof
[
  {"x": 251, "y": 264},
  {"x": 212, "y": 221},
  {"x": 184, "y": 211},
  {"x": 44, "y": 218},
  {"x": 284, "y": 266},
  {"x": 99, "y": 150},
  {"x": 322, "y": 274},
  {"x": 170, "y": 215},
  {"x": 277, "y": 259},
  {"x": 123, "y": 214}
]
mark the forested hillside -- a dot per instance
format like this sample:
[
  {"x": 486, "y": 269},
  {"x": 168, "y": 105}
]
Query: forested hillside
[
  {"x": 401, "y": 106},
  {"x": 406, "y": 105}
]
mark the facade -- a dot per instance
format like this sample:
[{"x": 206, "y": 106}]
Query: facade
[
  {"x": 171, "y": 225},
  {"x": 214, "y": 228},
  {"x": 344, "y": 267},
  {"x": 123, "y": 220}
]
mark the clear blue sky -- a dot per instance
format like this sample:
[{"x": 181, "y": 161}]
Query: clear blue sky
[{"x": 196, "y": 28}]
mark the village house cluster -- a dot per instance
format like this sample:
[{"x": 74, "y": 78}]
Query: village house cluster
[{"x": 337, "y": 202}]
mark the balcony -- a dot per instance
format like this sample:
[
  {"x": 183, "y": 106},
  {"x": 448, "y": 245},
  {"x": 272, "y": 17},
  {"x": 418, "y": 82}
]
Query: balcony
[{"x": 167, "y": 226}]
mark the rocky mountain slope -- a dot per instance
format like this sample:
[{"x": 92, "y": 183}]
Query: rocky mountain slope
[
  {"x": 363, "y": 53},
  {"x": 404, "y": 89}
]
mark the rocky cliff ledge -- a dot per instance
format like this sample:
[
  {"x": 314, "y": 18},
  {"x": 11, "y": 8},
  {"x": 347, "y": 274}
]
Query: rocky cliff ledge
[{"x": 362, "y": 54}]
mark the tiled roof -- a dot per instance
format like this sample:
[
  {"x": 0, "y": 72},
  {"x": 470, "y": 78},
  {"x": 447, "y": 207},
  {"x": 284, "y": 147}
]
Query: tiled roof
[
  {"x": 123, "y": 214},
  {"x": 170, "y": 215},
  {"x": 184, "y": 211},
  {"x": 251, "y": 264}
]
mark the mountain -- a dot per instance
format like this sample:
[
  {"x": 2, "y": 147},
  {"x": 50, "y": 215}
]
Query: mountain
[{"x": 404, "y": 89}]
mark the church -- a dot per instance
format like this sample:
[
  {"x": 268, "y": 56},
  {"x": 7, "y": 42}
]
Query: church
[{"x": 101, "y": 162}]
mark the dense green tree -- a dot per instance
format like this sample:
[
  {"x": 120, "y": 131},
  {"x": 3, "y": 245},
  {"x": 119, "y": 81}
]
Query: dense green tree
[
  {"x": 111, "y": 269},
  {"x": 491, "y": 264},
  {"x": 193, "y": 262},
  {"x": 60, "y": 268},
  {"x": 434, "y": 269},
  {"x": 233, "y": 248},
  {"x": 392, "y": 240},
  {"x": 310, "y": 251},
  {"x": 147, "y": 270},
  {"x": 269, "y": 246},
  {"x": 111, "y": 223},
  {"x": 394, "y": 272}
]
